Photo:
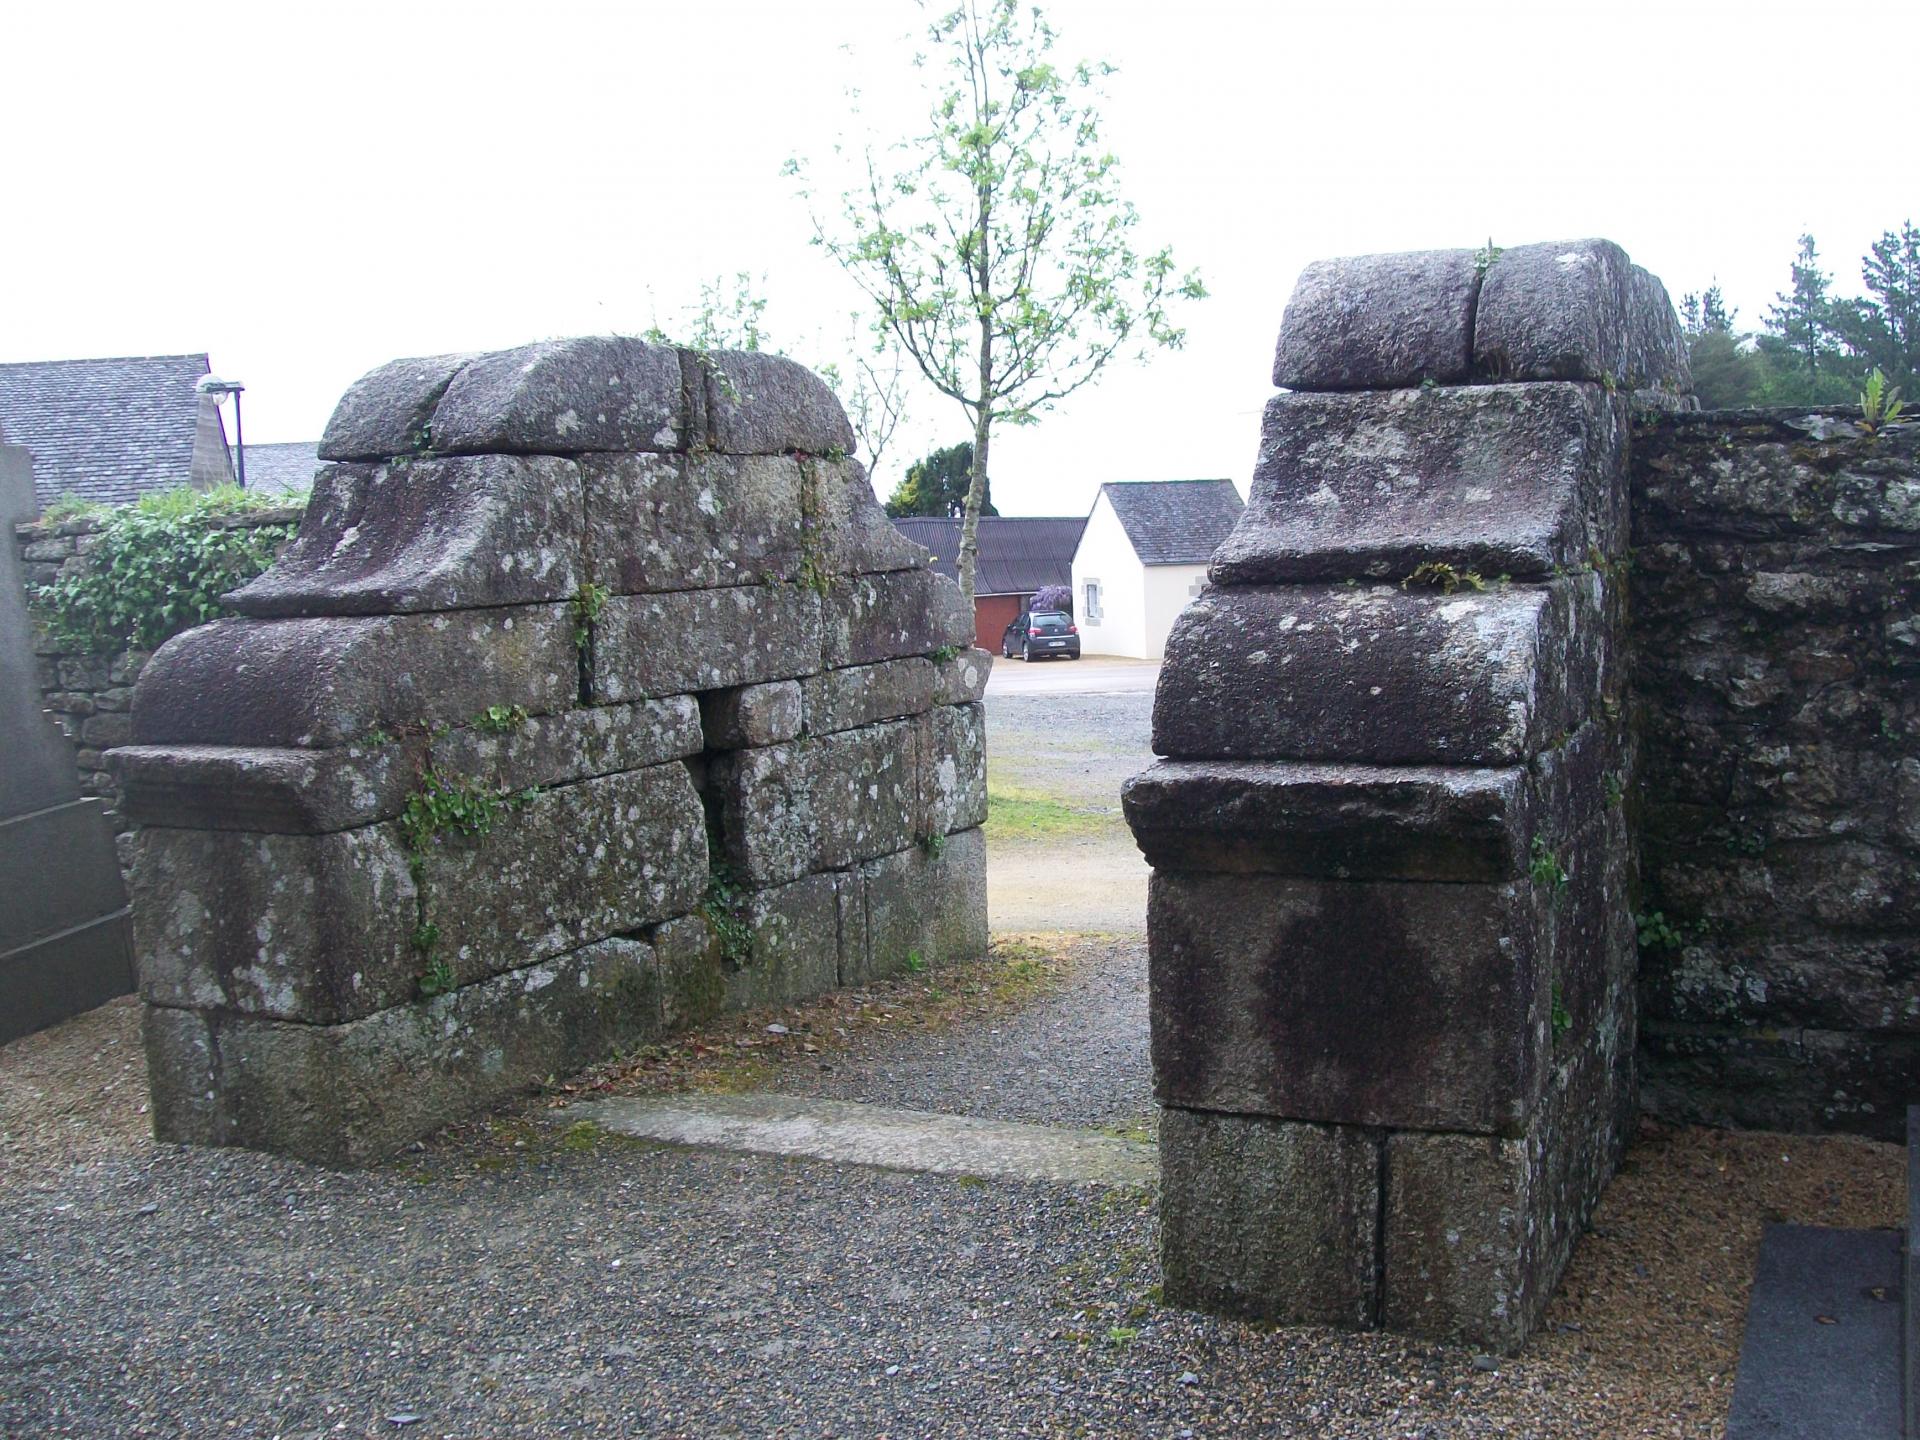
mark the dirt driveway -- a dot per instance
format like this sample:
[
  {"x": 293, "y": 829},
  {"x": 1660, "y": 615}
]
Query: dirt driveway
[{"x": 1062, "y": 737}]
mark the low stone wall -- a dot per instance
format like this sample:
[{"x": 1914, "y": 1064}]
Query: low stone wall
[
  {"x": 1392, "y": 993},
  {"x": 90, "y": 694},
  {"x": 595, "y": 695},
  {"x": 1776, "y": 604}
]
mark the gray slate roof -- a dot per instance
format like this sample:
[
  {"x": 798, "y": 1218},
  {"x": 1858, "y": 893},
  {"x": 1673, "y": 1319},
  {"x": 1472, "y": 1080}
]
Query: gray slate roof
[
  {"x": 1175, "y": 522},
  {"x": 108, "y": 430},
  {"x": 1018, "y": 553},
  {"x": 282, "y": 468}
]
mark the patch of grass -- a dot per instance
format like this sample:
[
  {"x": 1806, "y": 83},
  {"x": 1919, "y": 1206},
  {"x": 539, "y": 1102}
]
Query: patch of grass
[{"x": 1018, "y": 814}]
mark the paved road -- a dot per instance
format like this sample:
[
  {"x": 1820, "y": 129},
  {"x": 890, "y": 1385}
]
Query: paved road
[{"x": 1091, "y": 675}]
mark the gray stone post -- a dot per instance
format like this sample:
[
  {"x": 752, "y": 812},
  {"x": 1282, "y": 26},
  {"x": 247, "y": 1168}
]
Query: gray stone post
[{"x": 1392, "y": 952}]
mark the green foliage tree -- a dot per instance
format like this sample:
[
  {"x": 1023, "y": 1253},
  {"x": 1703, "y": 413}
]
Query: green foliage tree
[
  {"x": 1887, "y": 320},
  {"x": 1802, "y": 337},
  {"x": 994, "y": 246},
  {"x": 938, "y": 485}
]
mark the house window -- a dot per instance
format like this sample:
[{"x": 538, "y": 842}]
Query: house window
[{"x": 1090, "y": 602}]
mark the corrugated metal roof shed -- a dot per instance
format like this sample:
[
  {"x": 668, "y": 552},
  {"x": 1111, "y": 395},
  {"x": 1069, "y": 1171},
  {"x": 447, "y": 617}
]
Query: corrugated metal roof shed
[{"x": 1018, "y": 553}]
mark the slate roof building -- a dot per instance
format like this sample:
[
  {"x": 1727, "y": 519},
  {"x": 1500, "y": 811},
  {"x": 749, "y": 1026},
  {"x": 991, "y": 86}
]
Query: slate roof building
[
  {"x": 112, "y": 430},
  {"x": 282, "y": 468},
  {"x": 1143, "y": 556},
  {"x": 1018, "y": 554}
]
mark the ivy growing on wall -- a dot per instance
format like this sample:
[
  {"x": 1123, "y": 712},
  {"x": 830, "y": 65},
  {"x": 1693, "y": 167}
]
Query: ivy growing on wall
[{"x": 160, "y": 566}]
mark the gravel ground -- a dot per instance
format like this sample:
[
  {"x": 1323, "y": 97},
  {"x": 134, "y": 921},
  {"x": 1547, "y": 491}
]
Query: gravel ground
[
  {"x": 516, "y": 1278},
  {"x": 1079, "y": 750},
  {"x": 522, "y": 1277}
]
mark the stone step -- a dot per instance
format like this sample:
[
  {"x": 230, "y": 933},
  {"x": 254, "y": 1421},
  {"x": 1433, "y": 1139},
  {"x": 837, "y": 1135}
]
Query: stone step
[
  {"x": 854, "y": 1134},
  {"x": 1822, "y": 1357}
]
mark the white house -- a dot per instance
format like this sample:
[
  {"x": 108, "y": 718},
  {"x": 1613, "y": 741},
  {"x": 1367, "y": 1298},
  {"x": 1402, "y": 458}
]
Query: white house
[{"x": 1143, "y": 556}]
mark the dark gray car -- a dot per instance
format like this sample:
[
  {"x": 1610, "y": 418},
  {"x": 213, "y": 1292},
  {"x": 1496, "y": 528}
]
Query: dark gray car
[{"x": 1042, "y": 635}]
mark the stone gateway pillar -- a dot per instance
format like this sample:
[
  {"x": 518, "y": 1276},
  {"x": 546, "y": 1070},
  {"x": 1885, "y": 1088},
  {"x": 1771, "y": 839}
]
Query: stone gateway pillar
[
  {"x": 595, "y": 695},
  {"x": 1392, "y": 947}
]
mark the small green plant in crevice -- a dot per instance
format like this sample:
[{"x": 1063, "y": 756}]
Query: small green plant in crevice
[
  {"x": 1484, "y": 257},
  {"x": 585, "y": 607},
  {"x": 1559, "y": 1019},
  {"x": 447, "y": 804},
  {"x": 1544, "y": 866},
  {"x": 437, "y": 979},
  {"x": 1656, "y": 932},
  {"x": 815, "y": 573},
  {"x": 1439, "y": 575},
  {"x": 721, "y": 908},
  {"x": 501, "y": 719},
  {"x": 1879, "y": 405},
  {"x": 941, "y": 654},
  {"x": 934, "y": 844}
]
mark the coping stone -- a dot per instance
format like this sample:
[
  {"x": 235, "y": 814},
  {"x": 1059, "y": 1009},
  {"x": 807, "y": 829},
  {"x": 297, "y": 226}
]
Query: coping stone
[
  {"x": 565, "y": 397},
  {"x": 389, "y": 410},
  {"x": 1379, "y": 321}
]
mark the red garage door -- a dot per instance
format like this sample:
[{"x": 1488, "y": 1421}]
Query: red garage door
[{"x": 991, "y": 616}]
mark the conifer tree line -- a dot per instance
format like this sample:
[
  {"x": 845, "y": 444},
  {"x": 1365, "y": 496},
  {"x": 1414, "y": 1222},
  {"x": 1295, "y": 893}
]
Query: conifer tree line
[{"x": 1813, "y": 347}]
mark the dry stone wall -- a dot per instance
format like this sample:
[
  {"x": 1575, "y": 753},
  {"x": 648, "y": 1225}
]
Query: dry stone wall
[
  {"x": 1776, "y": 601},
  {"x": 594, "y": 695},
  {"x": 1392, "y": 950}
]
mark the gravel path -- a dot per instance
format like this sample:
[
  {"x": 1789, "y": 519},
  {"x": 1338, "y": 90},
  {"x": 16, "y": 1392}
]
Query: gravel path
[
  {"x": 1079, "y": 750},
  {"x": 527, "y": 1277},
  {"x": 1076, "y": 1057}
]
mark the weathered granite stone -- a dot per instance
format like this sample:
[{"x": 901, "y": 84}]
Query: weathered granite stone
[
  {"x": 452, "y": 533},
  {"x": 1365, "y": 1003},
  {"x": 953, "y": 770},
  {"x": 752, "y": 715},
  {"x": 1519, "y": 480},
  {"x": 1659, "y": 370},
  {"x": 928, "y": 904},
  {"x": 564, "y": 867},
  {"x": 311, "y": 928},
  {"x": 1269, "y": 1219},
  {"x": 516, "y": 753},
  {"x": 962, "y": 680},
  {"x": 764, "y": 404},
  {"x": 1370, "y": 822},
  {"x": 820, "y": 803},
  {"x": 675, "y": 522},
  {"x": 1383, "y": 675},
  {"x": 284, "y": 790},
  {"x": 693, "y": 984},
  {"x": 649, "y": 645},
  {"x": 565, "y": 397},
  {"x": 846, "y": 529},
  {"x": 1476, "y": 1229},
  {"x": 1572, "y": 310},
  {"x": 350, "y": 1094},
  {"x": 330, "y": 681},
  {"x": 389, "y": 410},
  {"x": 883, "y": 617},
  {"x": 1379, "y": 321},
  {"x": 794, "y": 947},
  {"x": 862, "y": 694}
]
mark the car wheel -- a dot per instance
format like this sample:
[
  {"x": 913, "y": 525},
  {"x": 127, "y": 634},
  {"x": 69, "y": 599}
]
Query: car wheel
[{"x": 1026, "y": 652}]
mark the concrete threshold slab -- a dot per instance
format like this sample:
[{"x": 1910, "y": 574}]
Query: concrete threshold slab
[
  {"x": 1822, "y": 1354},
  {"x": 852, "y": 1134}
]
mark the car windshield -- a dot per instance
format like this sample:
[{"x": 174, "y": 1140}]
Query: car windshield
[{"x": 1046, "y": 623}]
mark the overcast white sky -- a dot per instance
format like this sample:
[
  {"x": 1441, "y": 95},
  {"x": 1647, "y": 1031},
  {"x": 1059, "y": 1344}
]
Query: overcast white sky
[{"x": 308, "y": 190}]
